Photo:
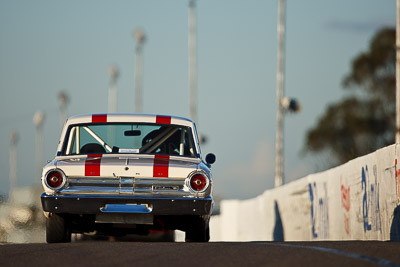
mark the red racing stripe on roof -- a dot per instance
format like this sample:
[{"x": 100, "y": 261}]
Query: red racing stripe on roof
[
  {"x": 163, "y": 119},
  {"x": 161, "y": 166},
  {"x": 99, "y": 118},
  {"x": 92, "y": 165}
]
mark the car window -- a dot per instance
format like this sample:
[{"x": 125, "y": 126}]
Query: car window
[{"x": 129, "y": 138}]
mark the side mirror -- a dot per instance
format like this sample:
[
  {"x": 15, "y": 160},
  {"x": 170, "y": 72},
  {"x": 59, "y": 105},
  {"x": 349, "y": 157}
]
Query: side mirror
[{"x": 210, "y": 158}]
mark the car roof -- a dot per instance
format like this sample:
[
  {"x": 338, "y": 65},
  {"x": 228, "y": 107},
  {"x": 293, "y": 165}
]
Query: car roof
[{"x": 128, "y": 118}]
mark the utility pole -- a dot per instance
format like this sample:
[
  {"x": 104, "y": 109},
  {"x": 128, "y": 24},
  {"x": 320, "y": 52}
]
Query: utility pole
[
  {"x": 192, "y": 60},
  {"x": 38, "y": 120},
  {"x": 398, "y": 72},
  {"x": 138, "y": 75},
  {"x": 279, "y": 95},
  {"x": 112, "y": 91},
  {"x": 63, "y": 100},
  {"x": 13, "y": 161}
]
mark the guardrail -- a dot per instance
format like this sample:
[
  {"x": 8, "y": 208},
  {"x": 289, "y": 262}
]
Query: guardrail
[{"x": 355, "y": 201}]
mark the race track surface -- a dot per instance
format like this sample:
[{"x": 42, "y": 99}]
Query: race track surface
[{"x": 103, "y": 253}]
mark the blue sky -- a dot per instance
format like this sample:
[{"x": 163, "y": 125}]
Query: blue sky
[{"x": 48, "y": 46}]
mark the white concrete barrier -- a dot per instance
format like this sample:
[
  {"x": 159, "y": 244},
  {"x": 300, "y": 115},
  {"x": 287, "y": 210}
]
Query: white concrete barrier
[{"x": 355, "y": 201}]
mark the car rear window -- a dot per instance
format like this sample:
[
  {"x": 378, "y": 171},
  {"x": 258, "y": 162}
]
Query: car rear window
[{"x": 129, "y": 139}]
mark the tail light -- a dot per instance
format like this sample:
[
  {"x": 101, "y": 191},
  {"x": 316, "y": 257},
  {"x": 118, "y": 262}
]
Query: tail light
[
  {"x": 199, "y": 182},
  {"x": 55, "y": 179}
]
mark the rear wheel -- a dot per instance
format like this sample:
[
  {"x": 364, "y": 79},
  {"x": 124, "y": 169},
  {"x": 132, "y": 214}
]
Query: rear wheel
[
  {"x": 198, "y": 231},
  {"x": 57, "y": 229}
]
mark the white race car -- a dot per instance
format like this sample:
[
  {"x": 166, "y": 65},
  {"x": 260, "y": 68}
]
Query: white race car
[{"x": 117, "y": 174}]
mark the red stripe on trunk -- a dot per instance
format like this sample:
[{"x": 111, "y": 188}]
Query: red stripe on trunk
[
  {"x": 161, "y": 165},
  {"x": 163, "y": 119},
  {"x": 99, "y": 118},
  {"x": 92, "y": 165}
]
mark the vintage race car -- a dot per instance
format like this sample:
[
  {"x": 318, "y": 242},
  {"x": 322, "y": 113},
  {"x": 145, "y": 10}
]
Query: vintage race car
[{"x": 117, "y": 174}]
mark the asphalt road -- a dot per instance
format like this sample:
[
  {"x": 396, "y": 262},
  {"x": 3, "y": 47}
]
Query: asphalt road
[{"x": 349, "y": 253}]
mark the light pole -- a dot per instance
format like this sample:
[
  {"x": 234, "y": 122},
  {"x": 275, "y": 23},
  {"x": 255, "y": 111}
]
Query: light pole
[
  {"x": 63, "y": 100},
  {"x": 279, "y": 95},
  {"x": 112, "y": 91},
  {"x": 398, "y": 72},
  {"x": 38, "y": 120},
  {"x": 138, "y": 75},
  {"x": 192, "y": 60},
  {"x": 283, "y": 103},
  {"x": 13, "y": 160}
]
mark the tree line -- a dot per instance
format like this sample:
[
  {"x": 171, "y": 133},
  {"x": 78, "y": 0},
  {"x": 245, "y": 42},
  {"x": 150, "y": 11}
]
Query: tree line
[{"x": 363, "y": 121}]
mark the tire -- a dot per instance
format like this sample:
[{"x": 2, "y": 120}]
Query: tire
[
  {"x": 198, "y": 231},
  {"x": 57, "y": 229}
]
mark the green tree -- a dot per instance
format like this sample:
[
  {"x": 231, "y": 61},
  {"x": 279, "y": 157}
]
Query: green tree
[{"x": 365, "y": 120}]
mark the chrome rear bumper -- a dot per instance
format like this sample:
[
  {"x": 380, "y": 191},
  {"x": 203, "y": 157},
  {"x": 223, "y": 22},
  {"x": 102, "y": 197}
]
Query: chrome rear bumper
[{"x": 129, "y": 186}]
